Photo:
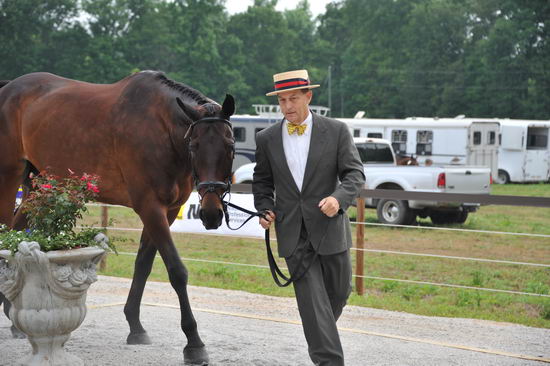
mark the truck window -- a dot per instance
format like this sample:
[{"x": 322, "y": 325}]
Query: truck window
[
  {"x": 399, "y": 141},
  {"x": 375, "y": 135},
  {"x": 239, "y": 133},
  {"x": 537, "y": 138},
  {"x": 372, "y": 153},
  {"x": 424, "y": 139}
]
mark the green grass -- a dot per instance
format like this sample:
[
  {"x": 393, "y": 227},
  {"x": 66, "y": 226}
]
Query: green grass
[{"x": 391, "y": 295}]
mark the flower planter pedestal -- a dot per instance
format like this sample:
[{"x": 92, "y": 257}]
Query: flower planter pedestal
[{"x": 48, "y": 295}]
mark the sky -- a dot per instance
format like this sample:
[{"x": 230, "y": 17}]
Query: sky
[{"x": 237, "y": 6}]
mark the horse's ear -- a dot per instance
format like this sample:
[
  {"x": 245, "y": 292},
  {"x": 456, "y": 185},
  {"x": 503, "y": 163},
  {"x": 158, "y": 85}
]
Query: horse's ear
[
  {"x": 191, "y": 112},
  {"x": 228, "y": 107}
]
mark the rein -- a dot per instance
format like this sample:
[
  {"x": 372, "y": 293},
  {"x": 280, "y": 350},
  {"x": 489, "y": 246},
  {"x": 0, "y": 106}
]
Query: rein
[{"x": 278, "y": 276}]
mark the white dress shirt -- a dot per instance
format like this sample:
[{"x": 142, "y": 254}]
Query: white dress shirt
[{"x": 296, "y": 150}]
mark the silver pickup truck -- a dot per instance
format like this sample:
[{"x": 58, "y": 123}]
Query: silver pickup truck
[{"x": 382, "y": 172}]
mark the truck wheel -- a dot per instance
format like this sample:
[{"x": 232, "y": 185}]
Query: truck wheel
[
  {"x": 461, "y": 217},
  {"x": 394, "y": 212},
  {"x": 503, "y": 177}
]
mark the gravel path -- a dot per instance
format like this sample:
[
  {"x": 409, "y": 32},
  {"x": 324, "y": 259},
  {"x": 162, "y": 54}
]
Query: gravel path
[{"x": 247, "y": 329}]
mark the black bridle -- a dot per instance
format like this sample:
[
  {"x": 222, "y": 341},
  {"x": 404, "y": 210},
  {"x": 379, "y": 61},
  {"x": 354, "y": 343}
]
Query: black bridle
[{"x": 211, "y": 186}]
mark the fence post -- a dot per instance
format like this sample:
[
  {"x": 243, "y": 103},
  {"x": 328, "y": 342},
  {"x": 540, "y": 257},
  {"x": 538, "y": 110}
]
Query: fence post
[
  {"x": 360, "y": 244},
  {"x": 104, "y": 224}
]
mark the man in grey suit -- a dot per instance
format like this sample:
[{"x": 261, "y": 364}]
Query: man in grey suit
[{"x": 307, "y": 173}]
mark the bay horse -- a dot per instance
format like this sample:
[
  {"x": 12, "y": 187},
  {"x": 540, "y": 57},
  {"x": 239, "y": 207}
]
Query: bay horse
[{"x": 149, "y": 138}]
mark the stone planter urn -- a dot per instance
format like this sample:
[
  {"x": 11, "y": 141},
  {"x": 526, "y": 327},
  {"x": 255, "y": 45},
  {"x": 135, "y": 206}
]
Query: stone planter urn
[{"x": 48, "y": 295}]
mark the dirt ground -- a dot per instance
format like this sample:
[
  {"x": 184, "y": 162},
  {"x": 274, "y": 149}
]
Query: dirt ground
[{"x": 240, "y": 328}]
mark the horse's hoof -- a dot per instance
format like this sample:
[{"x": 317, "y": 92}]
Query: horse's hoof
[
  {"x": 138, "y": 338},
  {"x": 16, "y": 333},
  {"x": 195, "y": 356}
]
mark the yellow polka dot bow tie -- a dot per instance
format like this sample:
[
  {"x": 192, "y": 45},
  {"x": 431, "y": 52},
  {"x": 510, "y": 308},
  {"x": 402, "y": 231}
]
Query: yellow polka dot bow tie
[{"x": 299, "y": 129}]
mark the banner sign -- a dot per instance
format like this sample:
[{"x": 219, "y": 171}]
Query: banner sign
[
  {"x": 19, "y": 196},
  {"x": 188, "y": 218}
]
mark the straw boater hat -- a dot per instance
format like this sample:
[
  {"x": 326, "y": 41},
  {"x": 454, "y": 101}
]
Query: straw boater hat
[{"x": 291, "y": 80}]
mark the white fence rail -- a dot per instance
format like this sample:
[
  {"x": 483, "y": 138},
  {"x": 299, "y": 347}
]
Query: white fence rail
[{"x": 406, "y": 195}]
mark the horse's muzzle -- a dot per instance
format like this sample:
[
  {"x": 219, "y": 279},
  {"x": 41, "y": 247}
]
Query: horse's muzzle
[{"x": 211, "y": 219}]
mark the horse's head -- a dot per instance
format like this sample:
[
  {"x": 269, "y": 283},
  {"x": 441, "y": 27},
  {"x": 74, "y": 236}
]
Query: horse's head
[{"x": 212, "y": 148}]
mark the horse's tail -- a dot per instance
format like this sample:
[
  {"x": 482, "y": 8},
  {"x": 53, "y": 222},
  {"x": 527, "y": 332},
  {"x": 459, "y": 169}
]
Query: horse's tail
[{"x": 4, "y": 82}]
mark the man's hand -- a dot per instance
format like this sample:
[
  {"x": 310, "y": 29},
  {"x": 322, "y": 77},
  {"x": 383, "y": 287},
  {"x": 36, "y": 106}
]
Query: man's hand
[
  {"x": 329, "y": 206},
  {"x": 269, "y": 218}
]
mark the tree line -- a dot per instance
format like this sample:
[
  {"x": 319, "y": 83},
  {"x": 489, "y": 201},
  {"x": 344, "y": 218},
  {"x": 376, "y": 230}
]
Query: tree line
[{"x": 395, "y": 58}]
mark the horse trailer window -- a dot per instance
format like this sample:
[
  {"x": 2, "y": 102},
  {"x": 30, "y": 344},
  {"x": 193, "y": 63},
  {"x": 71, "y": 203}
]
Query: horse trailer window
[
  {"x": 374, "y": 135},
  {"x": 477, "y": 137},
  {"x": 239, "y": 133},
  {"x": 491, "y": 137},
  {"x": 356, "y": 132},
  {"x": 399, "y": 141},
  {"x": 537, "y": 138},
  {"x": 372, "y": 153},
  {"x": 424, "y": 139}
]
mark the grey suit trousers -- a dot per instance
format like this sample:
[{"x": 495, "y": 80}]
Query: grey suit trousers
[{"x": 321, "y": 295}]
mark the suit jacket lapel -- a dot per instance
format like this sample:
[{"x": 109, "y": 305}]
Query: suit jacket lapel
[
  {"x": 279, "y": 154},
  {"x": 317, "y": 145}
]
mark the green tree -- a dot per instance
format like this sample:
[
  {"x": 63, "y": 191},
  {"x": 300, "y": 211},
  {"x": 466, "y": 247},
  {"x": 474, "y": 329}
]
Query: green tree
[
  {"x": 109, "y": 22},
  {"x": 333, "y": 39},
  {"x": 432, "y": 82},
  {"x": 263, "y": 33},
  {"x": 372, "y": 61},
  {"x": 507, "y": 47},
  {"x": 28, "y": 31}
]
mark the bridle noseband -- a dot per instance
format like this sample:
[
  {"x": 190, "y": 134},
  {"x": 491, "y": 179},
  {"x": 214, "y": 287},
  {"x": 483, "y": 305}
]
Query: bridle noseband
[{"x": 211, "y": 186}]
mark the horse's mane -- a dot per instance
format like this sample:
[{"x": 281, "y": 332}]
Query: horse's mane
[{"x": 185, "y": 90}]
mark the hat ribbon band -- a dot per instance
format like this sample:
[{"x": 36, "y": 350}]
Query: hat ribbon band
[{"x": 290, "y": 83}]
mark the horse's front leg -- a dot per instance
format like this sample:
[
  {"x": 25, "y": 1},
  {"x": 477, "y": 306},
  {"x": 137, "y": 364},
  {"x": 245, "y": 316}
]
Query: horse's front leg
[
  {"x": 157, "y": 225},
  {"x": 142, "y": 269}
]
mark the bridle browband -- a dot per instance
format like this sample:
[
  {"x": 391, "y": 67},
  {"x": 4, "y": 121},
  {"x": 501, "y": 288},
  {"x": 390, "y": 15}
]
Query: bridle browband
[
  {"x": 211, "y": 186},
  {"x": 204, "y": 120}
]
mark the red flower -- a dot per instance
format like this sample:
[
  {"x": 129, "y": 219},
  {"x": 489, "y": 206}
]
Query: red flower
[
  {"x": 47, "y": 186},
  {"x": 92, "y": 187}
]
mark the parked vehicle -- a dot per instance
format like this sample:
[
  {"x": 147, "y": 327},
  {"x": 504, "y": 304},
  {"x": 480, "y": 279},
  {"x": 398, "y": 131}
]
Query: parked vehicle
[
  {"x": 436, "y": 141},
  {"x": 524, "y": 154},
  {"x": 382, "y": 172}
]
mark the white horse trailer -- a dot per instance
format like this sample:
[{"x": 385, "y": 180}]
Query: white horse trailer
[
  {"x": 437, "y": 141},
  {"x": 524, "y": 154},
  {"x": 245, "y": 128}
]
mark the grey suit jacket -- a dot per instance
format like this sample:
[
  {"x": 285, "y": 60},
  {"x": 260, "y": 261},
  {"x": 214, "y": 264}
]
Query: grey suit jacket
[{"x": 333, "y": 168}]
